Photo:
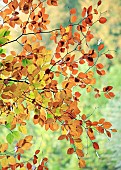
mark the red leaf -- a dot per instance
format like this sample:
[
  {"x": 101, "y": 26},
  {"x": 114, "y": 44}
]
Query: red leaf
[
  {"x": 111, "y": 94},
  {"x": 77, "y": 94},
  {"x": 84, "y": 12},
  {"x": 109, "y": 56},
  {"x": 29, "y": 166},
  {"x": 108, "y": 133},
  {"x": 100, "y": 47},
  {"x": 95, "y": 145},
  {"x": 19, "y": 157},
  {"x": 89, "y": 10},
  {"x": 99, "y": 2},
  {"x": 102, "y": 20},
  {"x": 37, "y": 151},
  {"x": 108, "y": 88},
  {"x": 70, "y": 151}
]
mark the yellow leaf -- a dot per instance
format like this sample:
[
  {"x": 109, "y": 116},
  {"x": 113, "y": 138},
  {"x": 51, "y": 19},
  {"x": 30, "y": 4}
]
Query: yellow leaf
[
  {"x": 39, "y": 62},
  {"x": 4, "y": 147},
  {"x": 31, "y": 68},
  {"x": 9, "y": 59},
  {"x": 4, "y": 162},
  {"x": 23, "y": 168},
  {"x": 79, "y": 145},
  {"x": 23, "y": 129},
  {"x": 67, "y": 29},
  {"x": 11, "y": 160}
]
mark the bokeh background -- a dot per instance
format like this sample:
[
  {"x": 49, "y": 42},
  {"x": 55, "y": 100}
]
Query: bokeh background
[{"x": 110, "y": 149}]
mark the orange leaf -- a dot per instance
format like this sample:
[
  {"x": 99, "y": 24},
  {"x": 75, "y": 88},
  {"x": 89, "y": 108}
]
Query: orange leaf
[
  {"x": 57, "y": 55},
  {"x": 84, "y": 117},
  {"x": 101, "y": 121},
  {"x": 113, "y": 130},
  {"x": 5, "y": 1},
  {"x": 70, "y": 151},
  {"x": 73, "y": 11},
  {"x": 74, "y": 71},
  {"x": 102, "y": 20},
  {"x": 62, "y": 137},
  {"x": 95, "y": 145},
  {"x": 82, "y": 75},
  {"x": 73, "y": 18},
  {"x": 107, "y": 125},
  {"x": 82, "y": 163},
  {"x": 79, "y": 152},
  {"x": 100, "y": 47},
  {"x": 99, "y": 66}
]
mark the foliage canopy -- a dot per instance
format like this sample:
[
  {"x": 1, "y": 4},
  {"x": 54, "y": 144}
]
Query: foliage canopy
[{"x": 41, "y": 84}]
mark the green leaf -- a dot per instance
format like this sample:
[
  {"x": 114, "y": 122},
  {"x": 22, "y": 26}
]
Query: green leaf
[
  {"x": 7, "y": 33},
  {"x": 8, "y": 125},
  {"x": 16, "y": 134},
  {"x": 10, "y": 138},
  {"x": 49, "y": 116},
  {"x": 2, "y": 32},
  {"x": 3, "y": 40},
  {"x": 26, "y": 62},
  {"x": 57, "y": 113}
]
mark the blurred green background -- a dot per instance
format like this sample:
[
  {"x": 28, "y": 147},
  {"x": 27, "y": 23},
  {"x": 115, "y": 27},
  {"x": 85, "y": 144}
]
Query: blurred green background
[{"x": 110, "y": 149}]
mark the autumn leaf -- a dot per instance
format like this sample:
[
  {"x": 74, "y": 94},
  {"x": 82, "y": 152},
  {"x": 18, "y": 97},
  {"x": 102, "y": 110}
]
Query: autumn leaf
[
  {"x": 70, "y": 151},
  {"x": 61, "y": 137},
  {"x": 95, "y": 145},
  {"x": 102, "y": 20},
  {"x": 82, "y": 163},
  {"x": 109, "y": 56},
  {"x": 73, "y": 18},
  {"x": 107, "y": 125},
  {"x": 100, "y": 47}
]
